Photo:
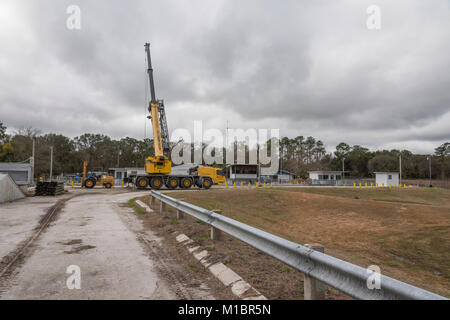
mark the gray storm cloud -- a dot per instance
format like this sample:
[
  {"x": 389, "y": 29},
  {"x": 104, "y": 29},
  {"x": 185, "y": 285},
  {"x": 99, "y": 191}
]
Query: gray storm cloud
[{"x": 306, "y": 67}]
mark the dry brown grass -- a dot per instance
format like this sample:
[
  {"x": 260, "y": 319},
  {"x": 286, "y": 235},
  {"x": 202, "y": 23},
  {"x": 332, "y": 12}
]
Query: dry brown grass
[{"x": 405, "y": 232}]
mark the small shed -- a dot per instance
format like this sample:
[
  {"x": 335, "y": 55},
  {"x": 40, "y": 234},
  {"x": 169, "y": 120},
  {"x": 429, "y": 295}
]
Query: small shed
[
  {"x": 326, "y": 177},
  {"x": 386, "y": 178}
]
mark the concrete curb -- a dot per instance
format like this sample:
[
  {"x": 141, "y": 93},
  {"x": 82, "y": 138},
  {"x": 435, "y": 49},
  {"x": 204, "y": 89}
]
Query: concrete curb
[
  {"x": 143, "y": 206},
  {"x": 228, "y": 277}
]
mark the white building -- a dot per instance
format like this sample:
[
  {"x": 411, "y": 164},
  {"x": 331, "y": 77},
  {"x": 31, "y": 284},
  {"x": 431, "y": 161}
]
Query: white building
[
  {"x": 243, "y": 172},
  {"x": 386, "y": 178},
  {"x": 120, "y": 174},
  {"x": 326, "y": 177}
]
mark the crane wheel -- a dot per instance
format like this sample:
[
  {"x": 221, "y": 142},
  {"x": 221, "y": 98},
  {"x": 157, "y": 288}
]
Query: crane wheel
[
  {"x": 186, "y": 183},
  {"x": 142, "y": 182},
  {"x": 172, "y": 183},
  {"x": 207, "y": 183},
  {"x": 108, "y": 185},
  {"x": 89, "y": 183},
  {"x": 156, "y": 183}
]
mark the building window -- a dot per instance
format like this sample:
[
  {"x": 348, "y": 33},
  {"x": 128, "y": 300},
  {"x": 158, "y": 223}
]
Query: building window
[
  {"x": 390, "y": 177},
  {"x": 325, "y": 177}
]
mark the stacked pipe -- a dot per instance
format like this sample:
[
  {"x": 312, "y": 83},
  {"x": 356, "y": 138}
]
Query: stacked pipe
[{"x": 49, "y": 188}]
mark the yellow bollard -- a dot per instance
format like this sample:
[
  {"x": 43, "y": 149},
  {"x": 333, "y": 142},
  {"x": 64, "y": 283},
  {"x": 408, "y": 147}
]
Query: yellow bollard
[
  {"x": 377, "y": 185},
  {"x": 271, "y": 184},
  {"x": 383, "y": 184},
  {"x": 226, "y": 184},
  {"x": 354, "y": 184},
  {"x": 360, "y": 185},
  {"x": 121, "y": 184},
  {"x": 371, "y": 184},
  {"x": 365, "y": 185},
  {"x": 249, "y": 185},
  {"x": 242, "y": 185},
  {"x": 390, "y": 186},
  {"x": 218, "y": 185},
  {"x": 264, "y": 185},
  {"x": 234, "y": 184},
  {"x": 72, "y": 183}
]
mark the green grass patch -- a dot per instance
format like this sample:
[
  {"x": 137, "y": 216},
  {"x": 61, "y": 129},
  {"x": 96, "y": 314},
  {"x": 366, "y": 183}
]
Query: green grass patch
[{"x": 132, "y": 204}]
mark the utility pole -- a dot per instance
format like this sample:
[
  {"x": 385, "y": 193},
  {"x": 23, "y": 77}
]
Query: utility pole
[
  {"x": 400, "y": 159},
  {"x": 429, "y": 167},
  {"x": 343, "y": 170},
  {"x": 32, "y": 162},
  {"x": 51, "y": 162},
  {"x": 226, "y": 143}
]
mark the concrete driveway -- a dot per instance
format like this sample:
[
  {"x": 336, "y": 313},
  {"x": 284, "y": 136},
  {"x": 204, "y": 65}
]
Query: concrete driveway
[{"x": 95, "y": 233}]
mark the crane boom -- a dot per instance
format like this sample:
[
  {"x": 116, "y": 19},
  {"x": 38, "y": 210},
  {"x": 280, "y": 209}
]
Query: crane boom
[
  {"x": 157, "y": 113},
  {"x": 158, "y": 168},
  {"x": 150, "y": 72}
]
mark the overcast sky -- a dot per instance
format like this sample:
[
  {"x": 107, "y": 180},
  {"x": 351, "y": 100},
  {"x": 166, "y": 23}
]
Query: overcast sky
[{"x": 305, "y": 67}]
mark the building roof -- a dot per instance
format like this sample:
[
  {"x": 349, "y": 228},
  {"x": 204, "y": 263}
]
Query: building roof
[
  {"x": 386, "y": 172},
  {"x": 14, "y": 165},
  {"x": 284, "y": 172},
  {"x": 324, "y": 171}
]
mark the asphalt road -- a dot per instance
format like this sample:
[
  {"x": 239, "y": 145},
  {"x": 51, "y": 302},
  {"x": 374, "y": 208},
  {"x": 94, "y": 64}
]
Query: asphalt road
[{"x": 96, "y": 232}]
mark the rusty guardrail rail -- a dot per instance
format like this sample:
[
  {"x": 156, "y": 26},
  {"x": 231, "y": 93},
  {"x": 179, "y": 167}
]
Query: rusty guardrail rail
[{"x": 344, "y": 276}]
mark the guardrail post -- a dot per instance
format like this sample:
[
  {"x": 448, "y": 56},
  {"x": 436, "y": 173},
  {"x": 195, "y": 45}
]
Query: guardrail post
[
  {"x": 180, "y": 214},
  {"x": 314, "y": 289},
  {"x": 162, "y": 207},
  {"x": 152, "y": 200},
  {"x": 216, "y": 234}
]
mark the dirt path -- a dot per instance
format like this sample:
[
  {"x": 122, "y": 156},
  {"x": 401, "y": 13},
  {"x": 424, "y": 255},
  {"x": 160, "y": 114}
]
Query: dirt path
[{"x": 117, "y": 259}]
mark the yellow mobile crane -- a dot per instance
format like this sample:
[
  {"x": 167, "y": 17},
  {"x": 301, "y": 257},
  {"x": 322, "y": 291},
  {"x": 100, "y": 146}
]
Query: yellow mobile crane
[{"x": 159, "y": 167}]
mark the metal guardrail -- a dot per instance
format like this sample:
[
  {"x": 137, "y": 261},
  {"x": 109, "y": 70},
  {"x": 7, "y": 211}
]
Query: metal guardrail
[{"x": 344, "y": 276}]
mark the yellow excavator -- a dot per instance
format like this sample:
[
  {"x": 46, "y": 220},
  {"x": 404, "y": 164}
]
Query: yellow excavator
[{"x": 159, "y": 167}]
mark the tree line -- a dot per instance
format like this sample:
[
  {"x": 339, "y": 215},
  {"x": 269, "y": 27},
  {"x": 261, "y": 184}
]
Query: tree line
[
  {"x": 297, "y": 155},
  {"x": 99, "y": 150},
  {"x": 300, "y": 155}
]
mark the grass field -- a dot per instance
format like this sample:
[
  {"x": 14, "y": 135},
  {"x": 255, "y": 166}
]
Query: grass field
[{"x": 405, "y": 232}]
